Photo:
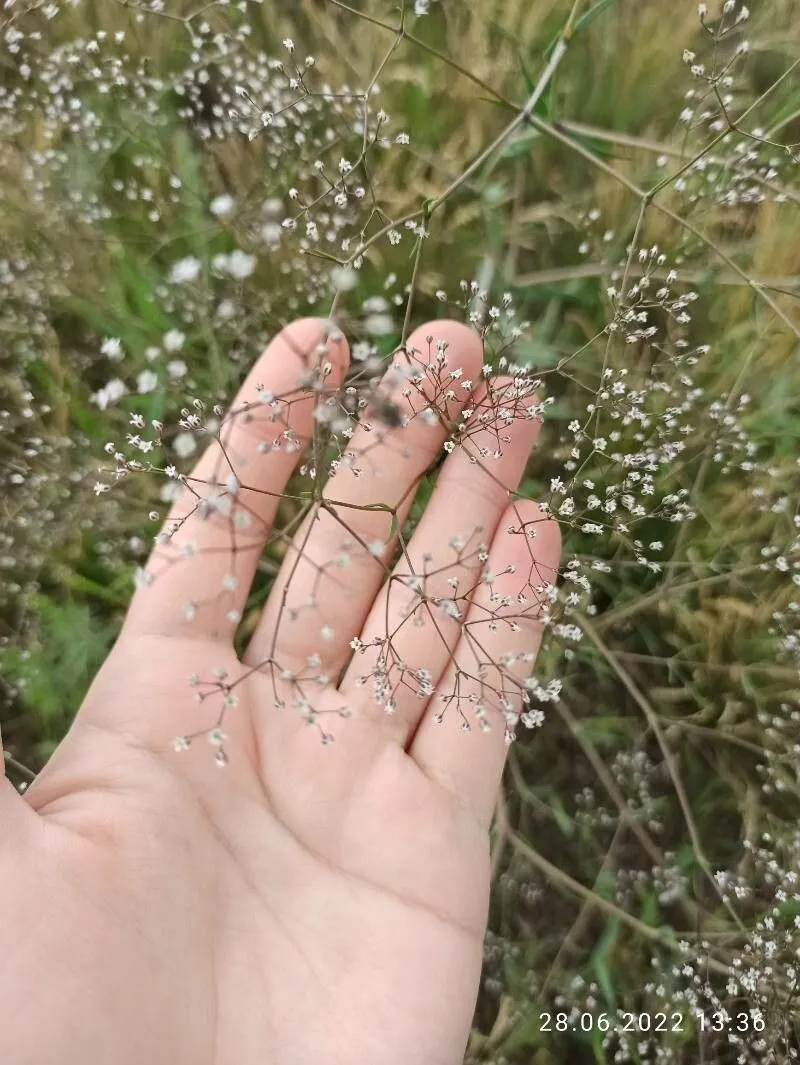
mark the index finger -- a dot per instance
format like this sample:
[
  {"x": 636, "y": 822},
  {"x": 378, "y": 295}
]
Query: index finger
[{"x": 198, "y": 577}]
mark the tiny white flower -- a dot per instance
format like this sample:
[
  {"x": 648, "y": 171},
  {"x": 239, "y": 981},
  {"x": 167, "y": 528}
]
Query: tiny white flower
[
  {"x": 379, "y": 324},
  {"x": 271, "y": 233},
  {"x": 450, "y": 608},
  {"x": 110, "y": 393},
  {"x": 142, "y": 578},
  {"x": 173, "y": 340},
  {"x": 344, "y": 278},
  {"x": 170, "y": 491},
  {"x": 147, "y": 381},
  {"x": 112, "y": 348},
  {"x": 241, "y": 265},
  {"x": 374, "y": 304},
  {"x": 185, "y": 270},
  {"x": 226, "y": 309},
  {"x": 176, "y": 368},
  {"x": 221, "y": 206},
  {"x": 184, "y": 445}
]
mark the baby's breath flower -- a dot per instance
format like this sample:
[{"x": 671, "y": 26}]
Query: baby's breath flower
[
  {"x": 185, "y": 270},
  {"x": 176, "y": 368},
  {"x": 173, "y": 340},
  {"x": 344, "y": 278},
  {"x": 147, "y": 381},
  {"x": 112, "y": 348},
  {"x": 222, "y": 206}
]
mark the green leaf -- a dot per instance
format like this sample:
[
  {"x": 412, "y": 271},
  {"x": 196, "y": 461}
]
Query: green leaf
[
  {"x": 79, "y": 582},
  {"x": 500, "y": 103},
  {"x": 603, "y": 728},
  {"x": 545, "y": 104},
  {"x": 592, "y": 13},
  {"x": 537, "y": 353},
  {"x": 594, "y": 146},
  {"x": 580, "y": 23},
  {"x": 520, "y": 145},
  {"x": 71, "y": 646},
  {"x": 599, "y": 963},
  {"x": 650, "y": 911},
  {"x": 562, "y": 818},
  {"x": 526, "y": 76}
]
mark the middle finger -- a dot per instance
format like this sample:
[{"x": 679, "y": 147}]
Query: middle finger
[{"x": 336, "y": 563}]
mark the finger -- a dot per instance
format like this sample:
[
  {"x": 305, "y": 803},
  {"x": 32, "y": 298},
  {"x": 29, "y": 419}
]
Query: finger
[
  {"x": 415, "y": 622},
  {"x": 335, "y": 566},
  {"x": 198, "y": 577},
  {"x": 460, "y": 742}
]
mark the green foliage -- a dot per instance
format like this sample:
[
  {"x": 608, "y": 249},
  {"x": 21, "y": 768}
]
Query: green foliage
[{"x": 57, "y": 667}]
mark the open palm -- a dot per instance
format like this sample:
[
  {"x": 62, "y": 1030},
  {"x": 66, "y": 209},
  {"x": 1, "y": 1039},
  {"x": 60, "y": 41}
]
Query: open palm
[{"x": 313, "y": 901}]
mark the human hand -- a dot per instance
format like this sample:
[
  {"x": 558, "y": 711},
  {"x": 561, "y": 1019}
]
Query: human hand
[{"x": 312, "y": 901}]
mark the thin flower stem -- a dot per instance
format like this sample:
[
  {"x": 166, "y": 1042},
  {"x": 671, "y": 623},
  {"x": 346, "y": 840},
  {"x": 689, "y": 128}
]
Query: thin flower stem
[
  {"x": 777, "y": 673},
  {"x": 406, "y": 329},
  {"x": 19, "y": 767},
  {"x": 648, "y": 197},
  {"x": 544, "y": 80},
  {"x": 367, "y": 18},
  {"x": 645, "y": 602},
  {"x": 580, "y": 923},
  {"x": 596, "y": 762},
  {"x": 603, "y": 269},
  {"x": 705, "y": 465},
  {"x": 653, "y": 721},
  {"x": 574, "y": 887}
]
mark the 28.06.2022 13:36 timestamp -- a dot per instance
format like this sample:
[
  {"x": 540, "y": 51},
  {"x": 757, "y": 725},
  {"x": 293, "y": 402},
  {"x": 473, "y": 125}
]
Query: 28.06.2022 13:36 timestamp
[{"x": 639, "y": 1023}]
